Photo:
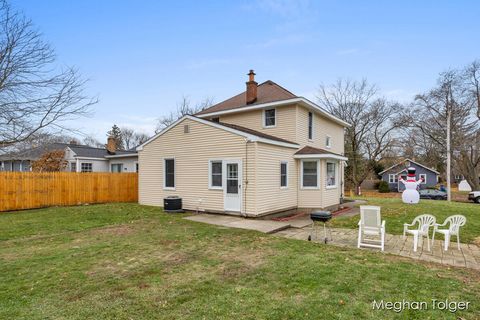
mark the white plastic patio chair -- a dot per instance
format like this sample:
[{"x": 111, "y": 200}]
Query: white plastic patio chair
[
  {"x": 455, "y": 222},
  {"x": 370, "y": 225},
  {"x": 424, "y": 221}
]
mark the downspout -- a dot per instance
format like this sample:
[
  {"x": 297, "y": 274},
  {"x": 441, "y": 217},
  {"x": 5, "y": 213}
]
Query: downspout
[{"x": 244, "y": 213}]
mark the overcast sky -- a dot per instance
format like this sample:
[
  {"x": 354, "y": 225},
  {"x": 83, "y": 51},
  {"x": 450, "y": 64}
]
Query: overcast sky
[{"x": 142, "y": 56}]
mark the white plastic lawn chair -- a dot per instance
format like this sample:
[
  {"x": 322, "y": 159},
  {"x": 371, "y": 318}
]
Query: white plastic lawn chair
[
  {"x": 455, "y": 222},
  {"x": 370, "y": 225},
  {"x": 424, "y": 221}
]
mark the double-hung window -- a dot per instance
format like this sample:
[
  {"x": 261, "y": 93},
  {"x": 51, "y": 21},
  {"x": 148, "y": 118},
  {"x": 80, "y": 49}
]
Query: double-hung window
[
  {"x": 73, "y": 167},
  {"x": 283, "y": 174},
  {"x": 216, "y": 178},
  {"x": 169, "y": 173},
  {"x": 392, "y": 178},
  {"x": 331, "y": 174},
  {"x": 310, "y": 126},
  {"x": 86, "y": 167},
  {"x": 310, "y": 174},
  {"x": 269, "y": 118}
]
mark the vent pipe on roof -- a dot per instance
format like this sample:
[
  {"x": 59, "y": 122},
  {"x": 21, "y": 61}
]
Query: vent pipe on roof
[{"x": 251, "y": 93}]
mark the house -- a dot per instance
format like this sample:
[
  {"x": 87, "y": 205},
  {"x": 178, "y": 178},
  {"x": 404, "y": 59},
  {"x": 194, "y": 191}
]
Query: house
[
  {"x": 80, "y": 158},
  {"x": 392, "y": 174},
  {"x": 260, "y": 152}
]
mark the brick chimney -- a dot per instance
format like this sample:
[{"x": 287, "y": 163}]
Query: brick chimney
[
  {"x": 251, "y": 93},
  {"x": 111, "y": 145}
]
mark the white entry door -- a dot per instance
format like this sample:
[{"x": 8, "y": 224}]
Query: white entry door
[{"x": 232, "y": 194}]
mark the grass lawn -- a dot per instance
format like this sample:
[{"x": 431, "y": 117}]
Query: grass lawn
[
  {"x": 126, "y": 261},
  {"x": 396, "y": 213}
]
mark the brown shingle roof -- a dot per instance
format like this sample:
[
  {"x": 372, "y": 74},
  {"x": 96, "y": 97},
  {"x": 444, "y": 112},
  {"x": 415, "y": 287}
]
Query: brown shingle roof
[
  {"x": 252, "y": 132},
  {"x": 312, "y": 150},
  {"x": 267, "y": 91}
]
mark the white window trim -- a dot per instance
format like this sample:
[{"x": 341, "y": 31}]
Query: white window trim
[
  {"x": 210, "y": 174},
  {"x": 165, "y": 173},
  {"x": 390, "y": 180},
  {"x": 318, "y": 175},
  {"x": 113, "y": 163},
  {"x": 263, "y": 118},
  {"x": 328, "y": 138},
  {"x": 286, "y": 175},
  {"x": 313, "y": 126},
  {"x": 423, "y": 175},
  {"x": 336, "y": 175},
  {"x": 81, "y": 164}
]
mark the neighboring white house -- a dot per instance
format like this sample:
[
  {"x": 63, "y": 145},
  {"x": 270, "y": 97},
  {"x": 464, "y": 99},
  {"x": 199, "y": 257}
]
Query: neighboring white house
[{"x": 80, "y": 158}]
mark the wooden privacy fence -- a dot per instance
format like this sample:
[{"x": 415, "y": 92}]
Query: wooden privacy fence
[{"x": 26, "y": 190}]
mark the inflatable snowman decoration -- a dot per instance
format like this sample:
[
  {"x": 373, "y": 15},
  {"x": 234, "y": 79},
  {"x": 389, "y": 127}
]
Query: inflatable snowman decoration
[{"x": 410, "y": 194}]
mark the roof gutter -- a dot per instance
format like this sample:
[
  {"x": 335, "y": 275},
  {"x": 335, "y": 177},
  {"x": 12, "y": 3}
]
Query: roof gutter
[
  {"x": 307, "y": 103},
  {"x": 250, "y": 137},
  {"x": 122, "y": 155},
  {"x": 320, "y": 156}
]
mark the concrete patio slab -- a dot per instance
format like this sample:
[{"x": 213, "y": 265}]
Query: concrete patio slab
[
  {"x": 397, "y": 245},
  {"x": 468, "y": 256},
  {"x": 265, "y": 226}
]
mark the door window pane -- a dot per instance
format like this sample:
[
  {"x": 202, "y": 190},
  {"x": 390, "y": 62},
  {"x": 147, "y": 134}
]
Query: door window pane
[{"x": 232, "y": 178}]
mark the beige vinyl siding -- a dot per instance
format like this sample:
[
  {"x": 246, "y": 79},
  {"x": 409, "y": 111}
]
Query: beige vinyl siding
[
  {"x": 321, "y": 128},
  {"x": 310, "y": 198},
  {"x": 192, "y": 152},
  {"x": 322, "y": 197},
  {"x": 285, "y": 127},
  {"x": 270, "y": 196},
  {"x": 330, "y": 196}
]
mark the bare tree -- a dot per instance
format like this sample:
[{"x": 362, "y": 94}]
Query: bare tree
[
  {"x": 33, "y": 96},
  {"x": 184, "y": 107},
  {"x": 39, "y": 139},
  {"x": 372, "y": 124},
  {"x": 449, "y": 102},
  {"x": 92, "y": 142},
  {"x": 471, "y": 76},
  {"x": 131, "y": 138}
]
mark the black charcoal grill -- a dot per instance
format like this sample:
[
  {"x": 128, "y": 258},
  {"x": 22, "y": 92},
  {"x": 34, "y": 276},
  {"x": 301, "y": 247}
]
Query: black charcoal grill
[{"x": 324, "y": 217}]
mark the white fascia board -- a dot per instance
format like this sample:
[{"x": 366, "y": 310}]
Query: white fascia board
[
  {"x": 277, "y": 143},
  {"x": 249, "y": 137},
  {"x": 302, "y": 100},
  {"x": 88, "y": 158},
  {"x": 320, "y": 156},
  {"x": 122, "y": 155}
]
